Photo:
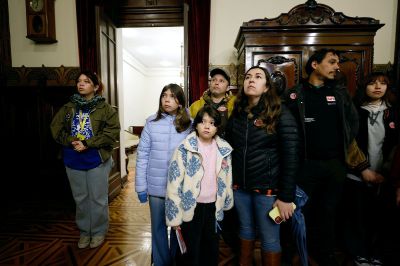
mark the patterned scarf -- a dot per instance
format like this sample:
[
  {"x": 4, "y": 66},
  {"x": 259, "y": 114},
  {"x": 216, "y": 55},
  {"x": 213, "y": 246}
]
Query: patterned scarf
[
  {"x": 82, "y": 103},
  {"x": 207, "y": 98}
]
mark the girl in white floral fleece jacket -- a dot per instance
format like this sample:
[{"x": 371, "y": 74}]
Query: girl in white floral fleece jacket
[{"x": 199, "y": 189}]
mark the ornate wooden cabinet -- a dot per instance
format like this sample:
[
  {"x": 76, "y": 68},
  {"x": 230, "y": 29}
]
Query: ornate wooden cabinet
[{"x": 284, "y": 44}]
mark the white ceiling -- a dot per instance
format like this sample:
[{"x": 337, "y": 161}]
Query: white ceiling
[{"x": 158, "y": 47}]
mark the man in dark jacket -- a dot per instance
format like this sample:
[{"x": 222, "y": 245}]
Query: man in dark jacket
[{"x": 329, "y": 123}]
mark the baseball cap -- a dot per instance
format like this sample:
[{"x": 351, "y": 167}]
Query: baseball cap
[{"x": 222, "y": 72}]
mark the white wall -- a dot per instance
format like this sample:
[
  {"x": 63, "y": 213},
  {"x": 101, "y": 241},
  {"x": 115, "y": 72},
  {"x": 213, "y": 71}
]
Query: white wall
[
  {"x": 228, "y": 15},
  {"x": 142, "y": 87},
  {"x": 133, "y": 80},
  {"x": 26, "y": 52},
  {"x": 139, "y": 91},
  {"x": 226, "y": 18}
]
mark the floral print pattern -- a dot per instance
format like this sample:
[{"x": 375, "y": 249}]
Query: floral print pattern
[
  {"x": 173, "y": 171},
  {"x": 171, "y": 210},
  {"x": 184, "y": 179},
  {"x": 193, "y": 166}
]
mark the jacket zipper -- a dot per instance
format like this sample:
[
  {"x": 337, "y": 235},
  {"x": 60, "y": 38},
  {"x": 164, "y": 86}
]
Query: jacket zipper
[
  {"x": 269, "y": 171},
  {"x": 244, "y": 153},
  {"x": 90, "y": 121},
  {"x": 303, "y": 118}
]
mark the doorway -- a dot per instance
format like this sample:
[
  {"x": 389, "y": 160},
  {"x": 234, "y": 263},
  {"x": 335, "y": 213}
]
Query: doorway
[
  {"x": 151, "y": 58},
  {"x": 138, "y": 83},
  {"x": 148, "y": 59}
]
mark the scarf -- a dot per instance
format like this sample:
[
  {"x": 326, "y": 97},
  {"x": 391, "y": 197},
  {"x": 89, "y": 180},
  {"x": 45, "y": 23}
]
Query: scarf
[{"x": 82, "y": 103}]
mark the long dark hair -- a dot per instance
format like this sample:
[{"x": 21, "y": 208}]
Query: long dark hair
[
  {"x": 182, "y": 119},
  {"x": 270, "y": 100},
  {"x": 361, "y": 96}
]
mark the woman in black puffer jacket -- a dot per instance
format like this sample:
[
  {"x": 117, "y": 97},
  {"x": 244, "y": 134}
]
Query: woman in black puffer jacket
[{"x": 265, "y": 160}]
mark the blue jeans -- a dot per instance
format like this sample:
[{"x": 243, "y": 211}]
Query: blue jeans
[
  {"x": 90, "y": 191},
  {"x": 252, "y": 209},
  {"x": 163, "y": 251}
]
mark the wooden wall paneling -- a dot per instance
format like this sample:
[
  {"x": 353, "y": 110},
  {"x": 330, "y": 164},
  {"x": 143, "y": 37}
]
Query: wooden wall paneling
[
  {"x": 5, "y": 44},
  {"x": 150, "y": 13},
  {"x": 396, "y": 71},
  {"x": 294, "y": 36},
  {"x": 28, "y": 103},
  {"x": 5, "y": 48}
]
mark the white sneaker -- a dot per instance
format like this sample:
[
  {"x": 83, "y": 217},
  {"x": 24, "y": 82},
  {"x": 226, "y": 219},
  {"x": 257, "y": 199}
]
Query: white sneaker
[
  {"x": 376, "y": 262},
  {"x": 361, "y": 261},
  {"x": 84, "y": 242},
  {"x": 96, "y": 241}
]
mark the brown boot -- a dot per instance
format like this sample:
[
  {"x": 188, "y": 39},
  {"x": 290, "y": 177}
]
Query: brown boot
[
  {"x": 271, "y": 258},
  {"x": 246, "y": 252},
  {"x": 296, "y": 260}
]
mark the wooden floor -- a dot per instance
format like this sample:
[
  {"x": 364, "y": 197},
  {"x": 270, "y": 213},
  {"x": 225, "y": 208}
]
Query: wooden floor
[{"x": 45, "y": 233}]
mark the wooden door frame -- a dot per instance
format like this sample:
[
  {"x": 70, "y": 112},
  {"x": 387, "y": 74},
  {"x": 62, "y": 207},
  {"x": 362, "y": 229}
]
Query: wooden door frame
[
  {"x": 106, "y": 32},
  {"x": 396, "y": 50}
]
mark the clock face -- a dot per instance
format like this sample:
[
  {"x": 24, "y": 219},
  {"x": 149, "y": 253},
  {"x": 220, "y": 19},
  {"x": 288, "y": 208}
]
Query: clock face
[{"x": 36, "y": 5}]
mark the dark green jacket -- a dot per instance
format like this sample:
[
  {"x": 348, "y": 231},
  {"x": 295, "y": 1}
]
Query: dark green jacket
[{"x": 105, "y": 125}]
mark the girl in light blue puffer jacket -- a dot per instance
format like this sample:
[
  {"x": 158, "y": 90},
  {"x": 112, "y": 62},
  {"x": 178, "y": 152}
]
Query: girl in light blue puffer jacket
[{"x": 161, "y": 134}]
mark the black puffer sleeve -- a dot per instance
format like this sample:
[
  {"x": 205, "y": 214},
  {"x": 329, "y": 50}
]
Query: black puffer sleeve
[{"x": 289, "y": 141}]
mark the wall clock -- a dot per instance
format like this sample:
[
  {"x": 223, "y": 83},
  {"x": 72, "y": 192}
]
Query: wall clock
[{"x": 40, "y": 21}]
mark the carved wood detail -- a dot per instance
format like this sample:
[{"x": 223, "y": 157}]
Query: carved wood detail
[
  {"x": 151, "y": 2},
  {"x": 296, "y": 35},
  {"x": 45, "y": 76},
  {"x": 312, "y": 13},
  {"x": 150, "y": 13},
  {"x": 277, "y": 70},
  {"x": 5, "y": 44}
]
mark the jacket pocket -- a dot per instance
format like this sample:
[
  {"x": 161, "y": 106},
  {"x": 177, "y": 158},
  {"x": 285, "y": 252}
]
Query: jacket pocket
[{"x": 97, "y": 125}]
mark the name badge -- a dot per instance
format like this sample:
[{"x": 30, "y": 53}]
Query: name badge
[
  {"x": 222, "y": 108},
  {"x": 80, "y": 136},
  {"x": 330, "y": 99}
]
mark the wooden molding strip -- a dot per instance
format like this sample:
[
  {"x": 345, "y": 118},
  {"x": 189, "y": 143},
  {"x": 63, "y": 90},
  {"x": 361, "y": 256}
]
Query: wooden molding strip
[
  {"x": 65, "y": 76},
  {"x": 42, "y": 76}
]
